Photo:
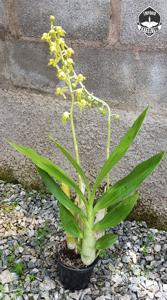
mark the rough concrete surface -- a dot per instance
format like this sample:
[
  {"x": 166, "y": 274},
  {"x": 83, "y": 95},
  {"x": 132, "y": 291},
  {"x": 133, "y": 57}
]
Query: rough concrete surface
[
  {"x": 86, "y": 20},
  {"x": 3, "y": 69},
  {"x": 129, "y": 33},
  {"x": 2, "y": 13},
  {"x": 28, "y": 65},
  {"x": 117, "y": 75},
  {"x": 3, "y": 22},
  {"x": 27, "y": 117}
]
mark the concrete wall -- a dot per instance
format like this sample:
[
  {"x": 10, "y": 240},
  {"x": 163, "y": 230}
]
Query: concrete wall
[{"x": 121, "y": 64}]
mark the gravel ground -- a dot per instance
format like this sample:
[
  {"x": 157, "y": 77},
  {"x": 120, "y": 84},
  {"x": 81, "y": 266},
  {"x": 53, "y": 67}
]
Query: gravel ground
[{"x": 135, "y": 268}]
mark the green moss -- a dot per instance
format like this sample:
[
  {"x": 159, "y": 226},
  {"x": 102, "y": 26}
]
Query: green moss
[
  {"x": 150, "y": 217},
  {"x": 7, "y": 175}
]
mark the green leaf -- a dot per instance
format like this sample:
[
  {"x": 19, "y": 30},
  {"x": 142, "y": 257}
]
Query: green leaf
[
  {"x": 117, "y": 214},
  {"x": 69, "y": 223},
  {"x": 71, "y": 160},
  {"x": 48, "y": 166},
  {"x": 54, "y": 189},
  {"x": 124, "y": 187},
  {"x": 106, "y": 241},
  {"x": 120, "y": 150}
]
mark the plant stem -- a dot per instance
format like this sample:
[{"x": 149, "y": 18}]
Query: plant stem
[
  {"x": 72, "y": 124},
  {"x": 108, "y": 127},
  {"x": 73, "y": 129}
]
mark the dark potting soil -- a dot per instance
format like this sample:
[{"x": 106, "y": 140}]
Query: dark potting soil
[{"x": 69, "y": 257}]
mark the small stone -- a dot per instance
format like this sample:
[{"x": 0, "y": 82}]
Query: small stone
[
  {"x": 133, "y": 288},
  {"x": 136, "y": 271},
  {"x": 133, "y": 257},
  {"x": 134, "y": 238},
  {"x": 108, "y": 297},
  {"x": 45, "y": 295},
  {"x": 35, "y": 270},
  {"x": 129, "y": 245},
  {"x": 126, "y": 259},
  {"x": 157, "y": 248},
  {"x": 31, "y": 233},
  {"x": 165, "y": 287},
  {"x": 107, "y": 284},
  {"x": 7, "y": 277},
  {"x": 117, "y": 279},
  {"x": 47, "y": 285},
  {"x": 56, "y": 296},
  {"x": 133, "y": 297},
  {"x": 160, "y": 295},
  {"x": 20, "y": 249},
  {"x": 141, "y": 293},
  {"x": 23, "y": 193},
  {"x": 149, "y": 258},
  {"x": 126, "y": 297},
  {"x": 148, "y": 283},
  {"x": 74, "y": 295}
]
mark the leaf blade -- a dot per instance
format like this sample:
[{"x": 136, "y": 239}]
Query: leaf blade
[
  {"x": 54, "y": 189},
  {"x": 117, "y": 214},
  {"x": 71, "y": 160},
  {"x": 124, "y": 187},
  {"x": 121, "y": 149},
  {"x": 48, "y": 166},
  {"x": 106, "y": 241},
  {"x": 69, "y": 223}
]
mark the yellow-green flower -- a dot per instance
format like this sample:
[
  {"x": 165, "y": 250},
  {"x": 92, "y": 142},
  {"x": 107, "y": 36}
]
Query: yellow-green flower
[
  {"x": 65, "y": 117},
  {"x": 45, "y": 37},
  {"x": 52, "y": 33},
  {"x": 80, "y": 78},
  {"x": 69, "y": 52}
]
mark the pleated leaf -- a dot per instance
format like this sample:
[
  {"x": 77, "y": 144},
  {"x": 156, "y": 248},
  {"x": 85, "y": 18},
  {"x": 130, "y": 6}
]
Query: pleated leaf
[
  {"x": 124, "y": 187},
  {"x": 121, "y": 149},
  {"x": 106, "y": 241},
  {"x": 71, "y": 160},
  {"x": 59, "y": 195},
  {"x": 48, "y": 166},
  {"x": 117, "y": 214},
  {"x": 69, "y": 223}
]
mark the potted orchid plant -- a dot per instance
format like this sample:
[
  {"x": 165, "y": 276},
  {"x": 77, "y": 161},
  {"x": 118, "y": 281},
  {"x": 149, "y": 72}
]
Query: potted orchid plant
[{"x": 84, "y": 218}]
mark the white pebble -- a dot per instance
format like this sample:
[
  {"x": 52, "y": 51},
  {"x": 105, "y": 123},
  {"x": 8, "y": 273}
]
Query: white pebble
[{"x": 157, "y": 248}]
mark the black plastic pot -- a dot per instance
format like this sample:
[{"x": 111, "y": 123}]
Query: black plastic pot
[{"x": 75, "y": 278}]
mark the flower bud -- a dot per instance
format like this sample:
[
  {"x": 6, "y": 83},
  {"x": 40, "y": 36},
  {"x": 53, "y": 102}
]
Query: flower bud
[
  {"x": 61, "y": 75},
  {"x": 70, "y": 61},
  {"x": 52, "y": 19},
  {"x": 51, "y": 62},
  {"x": 79, "y": 92},
  {"x": 52, "y": 33},
  {"x": 102, "y": 111},
  {"x": 45, "y": 37},
  {"x": 59, "y": 91},
  {"x": 83, "y": 102},
  {"x": 60, "y": 31},
  {"x": 61, "y": 42},
  {"x": 69, "y": 52},
  {"x": 53, "y": 47},
  {"x": 74, "y": 85},
  {"x": 80, "y": 78},
  {"x": 65, "y": 117}
]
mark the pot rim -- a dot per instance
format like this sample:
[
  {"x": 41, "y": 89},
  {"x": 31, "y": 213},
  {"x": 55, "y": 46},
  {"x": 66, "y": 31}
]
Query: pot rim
[{"x": 86, "y": 268}]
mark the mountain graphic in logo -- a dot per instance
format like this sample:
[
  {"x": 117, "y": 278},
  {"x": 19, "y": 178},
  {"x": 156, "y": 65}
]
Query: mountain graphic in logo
[{"x": 149, "y": 21}]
